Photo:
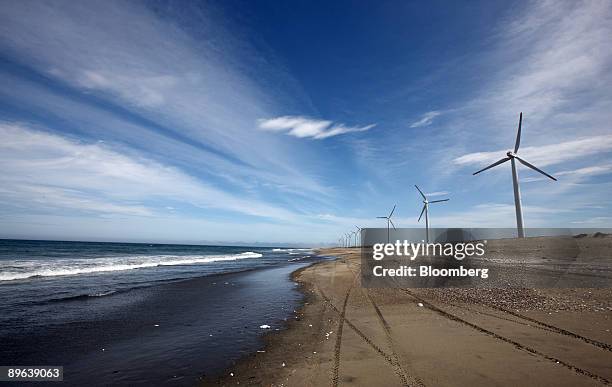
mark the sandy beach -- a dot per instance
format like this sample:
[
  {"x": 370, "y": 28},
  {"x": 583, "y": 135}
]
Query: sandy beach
[{"x": 348, "y": 335}]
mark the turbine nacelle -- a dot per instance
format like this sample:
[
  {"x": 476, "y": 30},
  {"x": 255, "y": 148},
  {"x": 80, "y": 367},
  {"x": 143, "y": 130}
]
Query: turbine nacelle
[
  {"x": 389, "y": 221},
  {"x": 511, "y": 155},
  {"x": 425, "y": 210}
]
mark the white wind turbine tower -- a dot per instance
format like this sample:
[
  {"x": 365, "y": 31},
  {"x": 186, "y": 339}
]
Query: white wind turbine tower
[
  {"x": 348, "y": 239},
  {"x": 425, "y": 210},
  {"x": 511, "y": 156},
  {"x": 389, "y": 221},
  {"x": 358, "y": 232}
]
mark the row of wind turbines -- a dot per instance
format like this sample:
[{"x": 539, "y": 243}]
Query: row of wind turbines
[{"x": 346, "y": 240}]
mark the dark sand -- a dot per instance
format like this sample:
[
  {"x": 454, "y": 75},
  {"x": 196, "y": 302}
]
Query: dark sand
[{"x": 349, "y": 335}]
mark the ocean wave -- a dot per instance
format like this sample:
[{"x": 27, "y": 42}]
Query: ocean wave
[
  {"x": 82, "y": 296},
  {"x": 66, "y": 267},
  {"x": 290, "y": 250},
  {"x": 298, "y": 258}
]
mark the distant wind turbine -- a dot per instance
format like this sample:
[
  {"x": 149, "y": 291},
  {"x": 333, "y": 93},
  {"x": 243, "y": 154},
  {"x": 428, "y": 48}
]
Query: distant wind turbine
[
  {"x": 425, "y": 210},
  {"x": 511, "y": 156},
  {"x": 389, "y": 221},
  {"x": 357, "y": 233}
]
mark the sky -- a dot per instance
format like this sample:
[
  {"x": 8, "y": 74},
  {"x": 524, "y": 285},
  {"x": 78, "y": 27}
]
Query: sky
[{"x": 293, "y": 122}]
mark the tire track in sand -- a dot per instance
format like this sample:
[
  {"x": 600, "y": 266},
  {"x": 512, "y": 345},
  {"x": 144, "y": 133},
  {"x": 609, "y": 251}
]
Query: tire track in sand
[
  {"x": 338, "y": 344},
  {"x": 516, "y": 344},
  {"x": 406, "y": 379},
  {"x": 342, "y": 312},
  {"x": 561, "y": 331}
]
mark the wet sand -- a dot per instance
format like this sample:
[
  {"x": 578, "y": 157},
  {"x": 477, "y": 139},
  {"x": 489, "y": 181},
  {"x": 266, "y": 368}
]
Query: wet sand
[
  {"x": 154, "y": 335},
  {"x": 348, "y": 335}
]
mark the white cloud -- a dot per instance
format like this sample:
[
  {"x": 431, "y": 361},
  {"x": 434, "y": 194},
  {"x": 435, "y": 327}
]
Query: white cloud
[
  {"x": 579, "y": 174},
  {"x": 426, "y": 119},
  {"x": 595, "y": 221},
  {"x": 545, "y": 155},
  {"x": 552, "y": 61},
  {"x": 437, "y": 193},
  {"x": 302, "y": 127},
  {"x": 496, "y": 215},
  {"x": 195, "y": 89},
  {"x": 44, "y": 172}
]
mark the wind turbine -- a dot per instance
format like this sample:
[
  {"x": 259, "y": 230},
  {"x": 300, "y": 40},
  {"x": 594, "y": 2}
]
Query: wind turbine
[
  {"x": 358, "y": 232},
  {"x": 512, "y": 156},
  {"x": 348, "y": 239},
  {"x": 425, "y": 210},
  {"x": 389, "y": 221}
]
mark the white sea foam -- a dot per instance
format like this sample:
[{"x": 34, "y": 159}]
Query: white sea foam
[
  {"x": 291, "y": 250},
  {"x": 22, "y": 269}
]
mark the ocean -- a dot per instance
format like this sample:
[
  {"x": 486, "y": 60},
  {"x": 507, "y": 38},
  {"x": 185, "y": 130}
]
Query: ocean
[{"x": 141, "y": 314}]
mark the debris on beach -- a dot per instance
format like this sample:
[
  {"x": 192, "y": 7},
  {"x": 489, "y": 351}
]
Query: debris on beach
[
  {"x": 265, "y": 326},
  {"x": 420, "y": 304},
  {"x": 231, "y": 374},
  {"x": 283, "y": 364}
]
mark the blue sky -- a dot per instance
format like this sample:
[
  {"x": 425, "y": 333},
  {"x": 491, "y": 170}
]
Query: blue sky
[{"x": 291, "y": 122}]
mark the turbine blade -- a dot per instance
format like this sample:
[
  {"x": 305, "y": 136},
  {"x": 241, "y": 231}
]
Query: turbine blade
[
  {"x": 381, "y": 217},
  {"x": 420, "y": 216},
  {"x": 534, "y": 168},
  {"x": 493, "y": 165},
  {"x": 518, "y": 134},
  {"x": 392, "y": 211},
  {"x": 392, "y": 224},
  {"x": 421, "y": 192},
  {"x": 438, "y": 201}
]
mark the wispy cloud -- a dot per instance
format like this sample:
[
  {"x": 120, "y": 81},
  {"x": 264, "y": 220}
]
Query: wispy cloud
[
  {"x": 595, "y": 221},
  {"x": 496, "y": 215},
  {"x": 48, "y": 172},
  {"x": 437, "y": 193},
  {"x": 303, "y": 127},
  {"x": 426, "y": 119},
  {"x": 546, "y": 154},
  {"x": 552, "y": 62},
  {"x": 579, "y": 174},
  {"x": 193, "y": 89}
]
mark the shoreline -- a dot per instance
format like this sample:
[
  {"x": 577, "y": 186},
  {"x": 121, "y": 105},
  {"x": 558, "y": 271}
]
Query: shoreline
[
  {"x": 154, "y": 334},
  {"x": 265, "y": 367},
  {"x": 345, "y": 334}
]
